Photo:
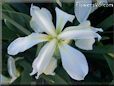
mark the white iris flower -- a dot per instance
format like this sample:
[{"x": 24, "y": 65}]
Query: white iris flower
[
  {"x": 73, "y": 61},
  {"x": 82, "y": 13}
]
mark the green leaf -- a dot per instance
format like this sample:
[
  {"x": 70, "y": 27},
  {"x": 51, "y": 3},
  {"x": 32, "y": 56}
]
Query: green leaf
[
  {"x": 7, "y": 6},
  {"x": 21, "y": 28},
  {"x": 12, "y": 28},
  {"x": 112, "y": 83},
  {"x": 110, "y": 62},
  {"x": 105, "y": 38},
  {"x": 60, "y": 77},
  {"x": 20, "y": 8},
  {"x": 39, "y": 46},
  {"x": 17, "y": 19},
  {"x": 90, "y": 79},
  {"x": 25, "y": 76},
  {"x": 101, "y": 49},
  {"x": 20, "y": 18},
  {"x": 7, "y": 34},
  {"x": 27, "y": 79},
  {"x": 57, "y": 53},
  {"x": 54, "y": 80},
  {"x": 61, "y": 72},
  {"x": 94, "y": 56},
  {"x": 107, "y": 23}
]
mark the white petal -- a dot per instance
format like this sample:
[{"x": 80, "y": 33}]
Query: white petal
[
  {"x": 51, "y": 67},
  {"x": 82, "y": 31},
  {"x": 34, "y": 23},
  {"x": 12, "y": 68},
  {"x": 23, "y": 43},
  {"x": 42, "y": 61},
  {"x": 47, "y": 13},
  {"x": 77, "y": 33},
  {"x": 43, "y": 20},
  {"x": 82, "y": 9},
  {"x": 74, "y": 62},
  {"x": 83, "y": 26},
  {"x": 97, "y": 29},
  {"x": 62, "y": 18},
  {"x": 87, "y": 24},
  {"x": 85, "y": 44}
]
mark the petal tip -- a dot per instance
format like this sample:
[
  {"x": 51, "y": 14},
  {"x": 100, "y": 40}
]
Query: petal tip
[
  {"x": 32, "y": 5},
  {"x": 33, "y": 8},
  {"x": 33, "y": 72},
  {"x": 37, "y": 76},
  {"x": 11, "y": 52},
  {"x": 100, "y": 30}
]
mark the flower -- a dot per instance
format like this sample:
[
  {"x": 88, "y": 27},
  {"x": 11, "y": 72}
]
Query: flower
[
  {"x": 73, "y": 61},
  {"x": 13, "y": 72},
  {"x": 82, "y": 14}
]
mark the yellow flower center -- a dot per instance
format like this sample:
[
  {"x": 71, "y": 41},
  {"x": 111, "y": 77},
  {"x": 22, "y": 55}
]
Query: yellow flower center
[{"x": 59, "y": 41}]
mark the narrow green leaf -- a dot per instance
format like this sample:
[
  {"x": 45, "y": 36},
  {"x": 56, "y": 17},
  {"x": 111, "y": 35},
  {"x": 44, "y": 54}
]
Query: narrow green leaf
[
  {"x": 20, "y": 18},
  {"x": 56, "y": 79},
  {"x": 7, "y": 33},
  {"x": 27, "y": 79},
  {"x": 90, "y": 79},
  {"x": 11, "y": 28},
  {"x": 107, "y": 23},
  {"x": 25, "y": 76},
  {"x": 21, "y": 28},
  {"x": 39, "y": 46},
  {"x": 23, "y": 8},
  {"x": 7, "y": 6},
  {"x": 61, "y": 72},
  {"x": 110, "y": 62},
  {"x": 16, "y": 13}
]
